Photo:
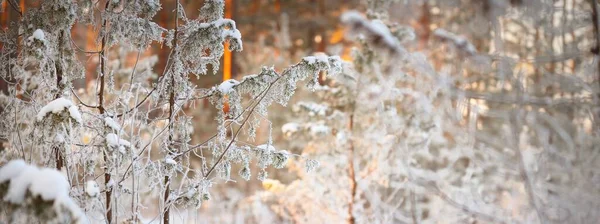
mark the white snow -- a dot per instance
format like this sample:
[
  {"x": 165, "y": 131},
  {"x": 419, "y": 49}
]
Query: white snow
[
  {"x": 266, "y": 147},
  {"x": 290, "y": 128},
  {"x": 223, "y": 21},
  {"x": 314, "y": 108},
  {"x": 285, "y": 152},
  {"x": 460, "y": 42},
  {"x": 115, "y": 141},
  {"x": 74, "y": 112},
  {"x": 383, "y": 30},
  {"x": 170, "y": 161},
  {"x": 39, "y": 35},
  {"x": 110, "y": 183},
  {"x": 317, "y": 58},
  {"x": 234, "y": 34},
  {"x": 109, "y": 122},
  {"x": 48, "y": 184},
  {"x": 76, "y": 213},
  {"x": 374, "y": 30},
  {"x": 92, "y": 189},
  {"x": 19, "y": 184},
  {"x": 11, "y": 169},
  {"x": 227, "y": 86},
  {"x": 58, "y": 105},
  {"x": 351, "y": 16},
  {"x": 318, "y": 129},
  {"x": 341, "y": 137},
  {"x": 249, "y": 77},
  {"x": 59, "y": 138}
]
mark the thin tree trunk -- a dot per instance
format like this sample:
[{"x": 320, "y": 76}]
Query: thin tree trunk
[
  {"x": 167, "y": 180},
  {"x": 59, "y": 86},
  {"x": 107, "y": 177},
  {"x": 594, "y": 5},
  {"x": 424, "y": 22},
  {"x": 352, "y": 176}
]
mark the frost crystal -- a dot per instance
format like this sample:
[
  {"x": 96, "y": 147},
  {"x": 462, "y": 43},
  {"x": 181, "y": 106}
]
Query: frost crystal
[
  {"x": 280, "y": 159},
  {"x": 145, "y": 31},
  {"x": 245, "y": 172},
  {"x": 311, "y": 165},
  {"x": 262, "y": 175}
]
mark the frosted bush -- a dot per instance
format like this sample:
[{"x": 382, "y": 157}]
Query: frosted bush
[
  {"x": 127, "y": 137},
  {"x": 24, "y": 187}
]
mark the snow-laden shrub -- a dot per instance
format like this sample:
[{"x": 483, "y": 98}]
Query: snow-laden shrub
[
  {"x": 37, "y": 194},
  {"x": 127, "y": 137}
]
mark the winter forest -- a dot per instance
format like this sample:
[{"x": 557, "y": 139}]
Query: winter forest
[{"x": 303, "y": 111}]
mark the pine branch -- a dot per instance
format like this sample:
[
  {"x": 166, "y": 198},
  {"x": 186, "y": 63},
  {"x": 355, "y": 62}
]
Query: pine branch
[{"x": 239, "y": 130}]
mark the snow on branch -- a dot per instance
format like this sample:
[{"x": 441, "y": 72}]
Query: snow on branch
[
  {"x": 268, "y": 155},
  {"x": 284, "y": 89},
  {"x": 374, "y": 32},
  {"x": 38, "y": 35},
  {"x": 115, "y": 142},
  {"x": 313, "y": 109},
  {"x": 309, "y": 67},
  {"x": 226, "y": 86},
  {"x": 212, "y": 10},
  {"x": 202, "y": 43},
  {"x": 31, "y": 188},
  {"x": 111, "y": 123},
  {"x": 57, "y": 106},
  {"x": 459, "y": 42},
  {"x": 271, "y": 86},
  {"x": 264, "y": 88},
  {"x": 125, "y": 26}
]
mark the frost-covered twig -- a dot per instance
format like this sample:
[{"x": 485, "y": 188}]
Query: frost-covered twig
[
  {"x": 238, "y": 131},
  {"x": 460, "y": 43},
  {"x": 375, "y": 32},
  {"x": 253, "y": 84},
  {"x": 523, "y": 99},
  {"x": 19, "y": 134},
  {"x": 515, "y": 121},
  {"x": 465, "y": 208},
  {"x": 231, "y": 121},
  {"x": 81, "y": 101},
  {"x": 160, "y": 82}
]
